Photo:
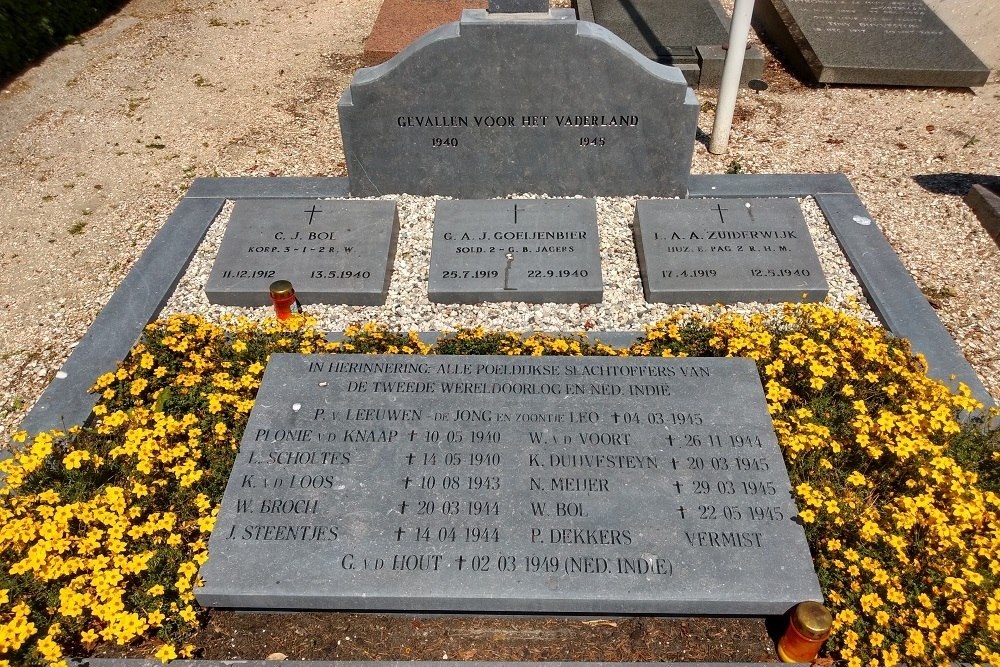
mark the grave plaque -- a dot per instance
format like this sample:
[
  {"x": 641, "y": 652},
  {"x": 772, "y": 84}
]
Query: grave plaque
[
  {"x": 533, "y": 250},
  {"x": 499, "y": 104},
  {"x": 331, "y": 251},
  {"x": 725, "y": 251},
  {"x": 496, "y": 484},
  {"x": 882, "y": 42}
]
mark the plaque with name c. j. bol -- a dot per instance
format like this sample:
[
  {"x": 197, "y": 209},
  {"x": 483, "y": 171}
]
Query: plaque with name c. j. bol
[{"x": 490, "y": 484}]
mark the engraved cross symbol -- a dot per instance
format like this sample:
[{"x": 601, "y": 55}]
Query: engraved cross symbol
[
  {"x": 313, "y": 211},
  {"x": 682, "y": 510},
  {"x": 515, "y": 212},
  {"x": 718, "y": 208}
]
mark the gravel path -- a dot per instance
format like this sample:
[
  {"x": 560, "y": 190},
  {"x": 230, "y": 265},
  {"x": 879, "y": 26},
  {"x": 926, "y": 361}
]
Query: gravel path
[{"x": 100, "y": 141}]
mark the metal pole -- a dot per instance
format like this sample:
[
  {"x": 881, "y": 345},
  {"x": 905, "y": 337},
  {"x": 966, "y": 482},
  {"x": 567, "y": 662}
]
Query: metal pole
[{"x": 739, "y": 31}]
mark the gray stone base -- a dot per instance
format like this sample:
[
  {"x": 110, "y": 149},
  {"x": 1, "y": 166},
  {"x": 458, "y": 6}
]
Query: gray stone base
[{"x": 712, "y": 58}]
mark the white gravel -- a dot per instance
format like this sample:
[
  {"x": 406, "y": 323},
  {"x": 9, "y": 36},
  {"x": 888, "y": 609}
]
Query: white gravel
[{"x": 408, "y": 308}]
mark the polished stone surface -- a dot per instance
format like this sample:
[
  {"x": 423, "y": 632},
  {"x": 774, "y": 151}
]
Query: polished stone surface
[
  {"x": 495, "y": 484},
  {"x": 726, "y": 251},
  {"x": 531, "y": 250},
  {"x": 331, "y": 251},
  {"x": 881, "y": 42}
]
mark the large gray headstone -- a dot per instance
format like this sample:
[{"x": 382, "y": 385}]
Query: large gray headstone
[
  {"x": 499, "y": 484},
  {"x": 331, "y": 251},
  {"x": 883, "y": 42},
  {"x": 532, "y": 250},
  {"x": 725, "y": 251},
  {"x": 513, "y": 103}
]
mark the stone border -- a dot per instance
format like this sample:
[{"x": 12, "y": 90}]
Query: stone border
[
  {"x": 894, "y": 296},
  {"x": 985, "y": 203}
]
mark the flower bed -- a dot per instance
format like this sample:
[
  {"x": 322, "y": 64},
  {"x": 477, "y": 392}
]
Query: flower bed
[{"x": 102, "y": 529}]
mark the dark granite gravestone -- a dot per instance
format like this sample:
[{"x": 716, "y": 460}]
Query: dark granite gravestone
[
  {"x": 532, "y": 250},
  {"x": 688, "y": 34},
  {"x": 725, "y": 251},
  {"x": 511, "y": 103},
  {"x": 331, "y": 251},
  {"x": 882, "y": 42},
  {"x": 509, "y": 484}
]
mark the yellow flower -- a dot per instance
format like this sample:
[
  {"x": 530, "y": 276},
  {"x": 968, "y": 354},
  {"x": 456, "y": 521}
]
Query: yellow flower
[
  {"x": 166, "y": 653},
  {"x": 856, "y": 479}
]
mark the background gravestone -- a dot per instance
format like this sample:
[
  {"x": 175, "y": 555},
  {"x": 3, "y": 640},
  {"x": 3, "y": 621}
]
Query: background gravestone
[
  {"x": 512, "y": 103},
  {"x": 493, "y": 484},
  {"x": 688, "y": 34},
  {"x": 532, "y": 250},
  {"x": 883, "y": 42},
  {"x": 726, "y": 251},
  {"x": 400, "y": 22},
  {"x": 332, "y": 251}
]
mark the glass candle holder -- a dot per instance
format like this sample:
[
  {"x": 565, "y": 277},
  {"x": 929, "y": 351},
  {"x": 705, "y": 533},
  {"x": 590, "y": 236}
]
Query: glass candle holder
[
  {"x": 284, "y": 299},
  {"x": 808, "y": 627}
]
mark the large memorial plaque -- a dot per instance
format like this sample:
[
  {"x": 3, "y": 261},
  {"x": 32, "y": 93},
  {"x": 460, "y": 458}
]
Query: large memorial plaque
[
  {"x": 882, "y": 42},
  {"x": 725, "y": 251},
  {"x": 533, "y": 250},
  {"x": 502, "y": 104},
  {"x": 331, "y": 251},
  {"x": 497, "y": 484}
]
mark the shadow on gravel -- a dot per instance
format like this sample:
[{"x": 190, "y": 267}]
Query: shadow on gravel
[{"x": 956, "y": 183}]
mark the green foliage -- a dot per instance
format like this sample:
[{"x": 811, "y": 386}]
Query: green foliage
[
  {"x": 977, "y": 449},
  {"x": 30, "y": 29}
]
